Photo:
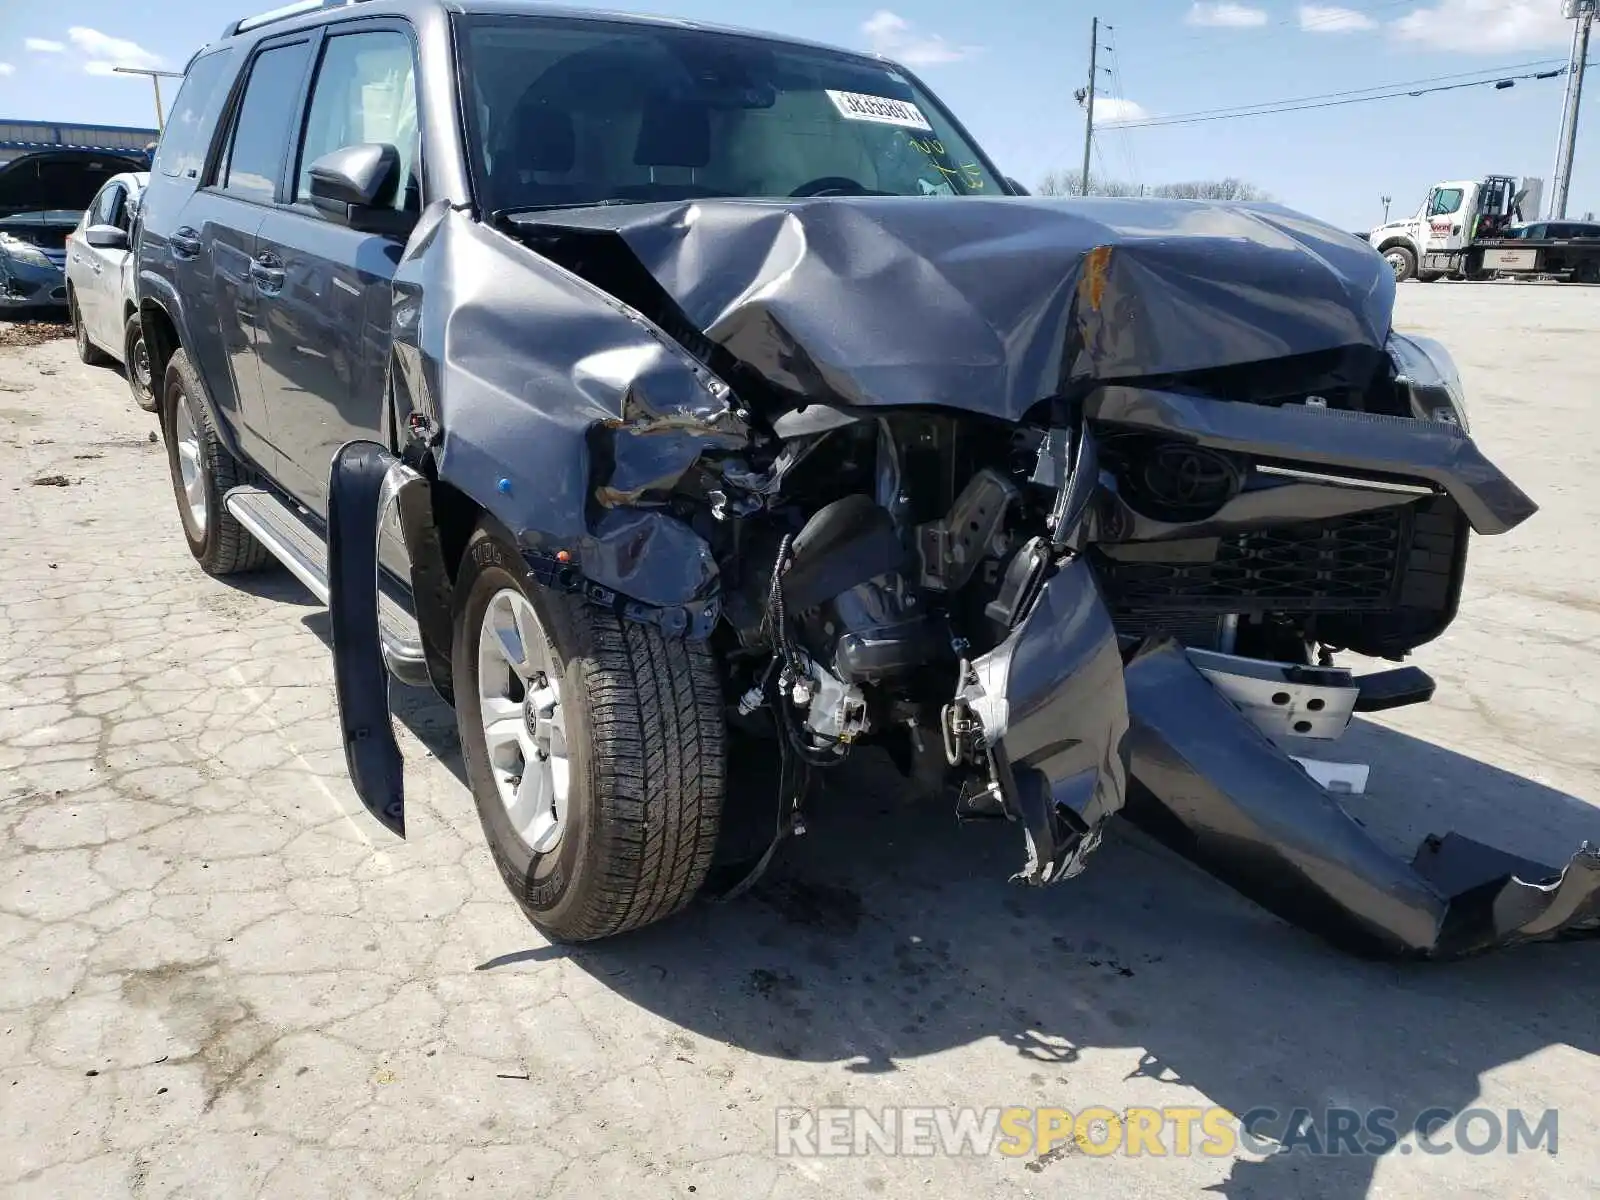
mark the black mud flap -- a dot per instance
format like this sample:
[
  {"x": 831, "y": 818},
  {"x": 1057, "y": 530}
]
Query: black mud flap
[
  {"x": 1210, "y": 786},
  {"x": 1051, "y": 702},
  {"x": 361, "y": 679}
]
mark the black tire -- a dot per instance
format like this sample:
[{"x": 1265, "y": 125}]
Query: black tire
[
  {"x": 87, "y": 351},
  {"x": 1403, "y": 261},
  {"x": 1431, "y": 277},
  {"x": 136, "y": 363},
  {"x": 645, "y": 739},
  {"x": 1588, "y": 271},
  {"x": 219, "y": 543}
]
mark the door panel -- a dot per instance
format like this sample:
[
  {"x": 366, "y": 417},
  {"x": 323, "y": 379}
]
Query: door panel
[
  {"x": 212, "y": 248},
  {"x": 106, "y": 325},
  {"x": 325, "y": 295},
  {"x": 88, "y": 265},
  {"x": 321, "y": 341},
  {"x": 218, "y": 234}
]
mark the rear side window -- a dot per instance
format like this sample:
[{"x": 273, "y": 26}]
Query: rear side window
[
  {"x": 185, "y": 136},
  {"x": 365, "y": 92},
  {"x": 261, "y": 128}
]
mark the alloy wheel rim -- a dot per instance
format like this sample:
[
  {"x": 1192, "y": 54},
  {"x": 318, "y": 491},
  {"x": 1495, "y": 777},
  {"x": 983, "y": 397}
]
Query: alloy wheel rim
[
  {"x": 191, "y": 468},
  {"x": 524, "y": 728}
]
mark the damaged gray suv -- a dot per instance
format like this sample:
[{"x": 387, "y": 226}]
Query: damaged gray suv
[{"x": 667, "y": 397}]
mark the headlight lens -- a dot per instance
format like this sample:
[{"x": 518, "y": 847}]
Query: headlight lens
[
  {"x": 24, "y": 252},
  {"x": 1424, "y": 368}
]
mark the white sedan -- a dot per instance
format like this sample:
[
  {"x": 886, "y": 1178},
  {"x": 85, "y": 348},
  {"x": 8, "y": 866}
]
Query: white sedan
[{"x": 100, "y": 283}]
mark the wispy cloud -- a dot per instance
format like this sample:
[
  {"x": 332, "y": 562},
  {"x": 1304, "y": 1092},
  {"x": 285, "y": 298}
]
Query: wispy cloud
[
  {"x": 1109, "y": 110},
  {"x": 1330, "y": 18},
  {"x": 103, "y": 52},
  {"x": 1486, "y": 26},
  {"x": 1226, "y": 15},
  {"x": 43, "y": 45},
  {"x": 894, "y": 37},
  {"x": 7, "y": 69}
]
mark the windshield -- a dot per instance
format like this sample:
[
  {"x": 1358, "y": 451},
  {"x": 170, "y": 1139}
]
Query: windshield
[{"x": 572, "y": 112}]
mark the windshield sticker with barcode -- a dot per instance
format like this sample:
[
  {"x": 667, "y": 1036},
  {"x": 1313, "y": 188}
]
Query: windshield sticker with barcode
[{"x": 858, "y": 106}]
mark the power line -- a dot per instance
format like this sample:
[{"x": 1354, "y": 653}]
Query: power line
[
  {"x": 1406, "y": 90},
  {"x": 1121, "y": 93},
  {"x": 1492, "y": 73}
]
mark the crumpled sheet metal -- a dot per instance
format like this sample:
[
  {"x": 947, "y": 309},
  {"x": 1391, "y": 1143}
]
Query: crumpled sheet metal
[
  {"x": 573, "y": 438},
  {"x": 1211, "y": 787},
  {"x": 1054, "y": 712},
  {"x": 1372, "y": 443},
  {"x": 991, "y": 305}
]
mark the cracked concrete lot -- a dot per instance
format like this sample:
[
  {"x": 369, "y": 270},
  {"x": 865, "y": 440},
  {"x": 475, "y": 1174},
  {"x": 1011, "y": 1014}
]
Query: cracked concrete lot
[{"x": 220, "y": 978}]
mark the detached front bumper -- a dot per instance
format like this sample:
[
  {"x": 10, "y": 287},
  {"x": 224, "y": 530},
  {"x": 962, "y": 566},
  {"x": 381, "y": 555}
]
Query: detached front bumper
[{"x": 1210, "y": 784}]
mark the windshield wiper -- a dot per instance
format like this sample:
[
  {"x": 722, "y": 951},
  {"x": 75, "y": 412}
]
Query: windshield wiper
[{"x": 608, "y": 202}]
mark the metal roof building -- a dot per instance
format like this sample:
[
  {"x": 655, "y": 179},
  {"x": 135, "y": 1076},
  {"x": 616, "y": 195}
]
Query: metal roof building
[{"x": 29, "y": 137}]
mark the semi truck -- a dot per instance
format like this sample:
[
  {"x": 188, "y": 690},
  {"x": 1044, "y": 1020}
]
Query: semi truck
[{"x": 1479, "y": 229}]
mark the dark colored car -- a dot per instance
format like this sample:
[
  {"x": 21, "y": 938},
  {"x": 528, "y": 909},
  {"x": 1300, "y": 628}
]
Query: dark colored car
[
  {"x": 42, "y": 198},
  {"x": 671, "y": 399},
  {"x": 1553, "y": 230}
]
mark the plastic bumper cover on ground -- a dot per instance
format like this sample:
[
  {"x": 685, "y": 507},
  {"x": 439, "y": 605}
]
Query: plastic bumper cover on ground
[{"x": 1210, "y": 786}]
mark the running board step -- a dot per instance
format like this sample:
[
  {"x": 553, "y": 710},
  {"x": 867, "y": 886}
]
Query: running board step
[{"x": 290, "y": 538}]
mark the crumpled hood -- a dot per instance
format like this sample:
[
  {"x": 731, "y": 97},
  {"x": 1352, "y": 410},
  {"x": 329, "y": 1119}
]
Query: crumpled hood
[{"x": 993, "y": 304}]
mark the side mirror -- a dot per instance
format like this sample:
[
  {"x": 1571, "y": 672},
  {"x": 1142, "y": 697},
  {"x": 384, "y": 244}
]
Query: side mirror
[
  {"x": 356, "y": 185},
  {"x": 1016, "y": 188},
  {"x": 106, "y": 237}
]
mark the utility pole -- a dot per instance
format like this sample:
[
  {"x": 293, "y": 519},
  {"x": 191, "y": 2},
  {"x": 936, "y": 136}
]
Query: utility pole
[
  {"x": 1583, "y": 12},
  {"x": 1088, "y": 121},
  {"x": 1386, "y": 200},
  {"x": 155, "y": 78}
]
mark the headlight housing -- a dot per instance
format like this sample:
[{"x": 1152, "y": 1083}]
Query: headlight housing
[
  {"x": 20, "y": 251},
  {"x": 1428, "y": 377}
]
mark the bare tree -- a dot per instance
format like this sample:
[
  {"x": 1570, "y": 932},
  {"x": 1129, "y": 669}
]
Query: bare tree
[
  {"x": 1212, "y": 189},
  {"x": 1068, "y": 183}
]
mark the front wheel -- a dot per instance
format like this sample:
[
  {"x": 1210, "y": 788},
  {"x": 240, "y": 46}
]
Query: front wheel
[
  {"x": 1401, "y": 261},
  {"x": 594, "y": 748}
]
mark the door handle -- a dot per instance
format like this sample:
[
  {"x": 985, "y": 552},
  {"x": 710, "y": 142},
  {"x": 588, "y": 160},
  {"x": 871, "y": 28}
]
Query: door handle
[
  {"x": 186, "y": 242},
  {"x": 267, "y": 271}
]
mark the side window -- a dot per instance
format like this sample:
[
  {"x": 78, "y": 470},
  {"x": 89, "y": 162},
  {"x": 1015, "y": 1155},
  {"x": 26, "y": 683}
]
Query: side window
[
  {"x": 181, "y": 149},
  {"x": 100, "y": 207},
  {"x": 117, "y": 207},
  {"x": 365, "y": 91},
  {"x": 261, "y": 128},
  {"x": 1445, "y": 201}
]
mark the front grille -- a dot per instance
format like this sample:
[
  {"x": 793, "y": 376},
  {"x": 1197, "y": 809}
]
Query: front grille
[{"x": 1349, "y": 564}]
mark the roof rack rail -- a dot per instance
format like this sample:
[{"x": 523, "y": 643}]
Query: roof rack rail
[{"x": 299, "y": 9}]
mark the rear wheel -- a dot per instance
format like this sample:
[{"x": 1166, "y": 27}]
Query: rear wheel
[
  {"x": 1401, "y": 261},
  {"x": 136, "y": 362},
  {"x": 202, "y": 473},
  {"x": 594, "y": 747},
  {"x": 87, "y": 351},
  {"x": 1588, "y": 271}
]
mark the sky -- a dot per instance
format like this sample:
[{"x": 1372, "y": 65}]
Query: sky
[{"x": 1010, "y": 70}]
